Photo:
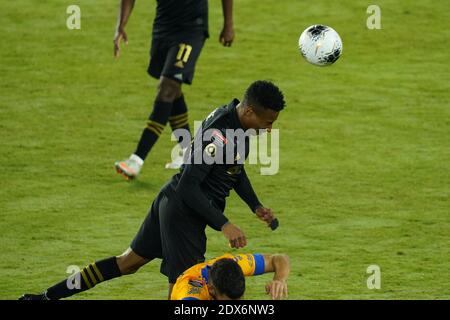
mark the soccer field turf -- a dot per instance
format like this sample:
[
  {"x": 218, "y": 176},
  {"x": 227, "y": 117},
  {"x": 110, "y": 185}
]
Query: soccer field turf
[{"x": 364, "y": 173}]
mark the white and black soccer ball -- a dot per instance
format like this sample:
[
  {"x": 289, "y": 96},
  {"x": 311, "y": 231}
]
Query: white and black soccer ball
[{"x": 320, "y": 45}]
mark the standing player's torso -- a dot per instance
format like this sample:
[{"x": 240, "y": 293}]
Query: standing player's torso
[{"x": 175, "y": 16}]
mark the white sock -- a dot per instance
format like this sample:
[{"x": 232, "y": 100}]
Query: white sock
[{"x": 137, "y": 159}]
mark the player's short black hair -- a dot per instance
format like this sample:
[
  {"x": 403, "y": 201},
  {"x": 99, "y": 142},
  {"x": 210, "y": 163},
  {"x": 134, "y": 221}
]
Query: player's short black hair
[
  {"x": 264, "y": 94},
  {"x": 228, "y": 278}
]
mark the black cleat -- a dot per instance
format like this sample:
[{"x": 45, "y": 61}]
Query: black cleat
[{"x": 28, "y": 296}]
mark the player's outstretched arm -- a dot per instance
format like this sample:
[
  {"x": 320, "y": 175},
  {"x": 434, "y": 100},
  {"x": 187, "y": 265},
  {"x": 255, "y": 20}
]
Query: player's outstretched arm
[
  {"x": 189, "y": 191},
  {"x": 280, "y": 265},
  {"x": 126, "y": 7},
  {"x": 245, "y": 191},
  {"x": 227, "y": 35}
]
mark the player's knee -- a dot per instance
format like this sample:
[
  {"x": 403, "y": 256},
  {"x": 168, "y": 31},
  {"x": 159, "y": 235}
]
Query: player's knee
[
  {"x": 126, "y": 266},
  {"x": 166, "y": 93},
  {"x": 129, "y": 262},
  {"x": 168, "y": 90}
]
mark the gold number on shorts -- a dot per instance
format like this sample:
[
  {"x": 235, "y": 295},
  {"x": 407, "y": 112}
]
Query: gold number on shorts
[{"x": 184, "y": 52}]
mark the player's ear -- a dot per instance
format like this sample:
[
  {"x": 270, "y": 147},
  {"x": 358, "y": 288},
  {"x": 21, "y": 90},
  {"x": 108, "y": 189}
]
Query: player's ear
[
  {"x": 211, "y": 290},
  {"x": 249, "y": 110}
]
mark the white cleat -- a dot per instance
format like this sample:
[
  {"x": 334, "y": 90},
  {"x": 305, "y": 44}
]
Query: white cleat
[{"x": 130, "y": 167}]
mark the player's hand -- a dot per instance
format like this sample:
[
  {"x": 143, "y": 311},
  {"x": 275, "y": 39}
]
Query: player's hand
[
  {"x": 265, "y": 214},
  {"x": 120, "y": 35},
  {"x": 277, "y": 289},
  {"x": 227, "y": 36},
  {"x": 234, "y": 235}
]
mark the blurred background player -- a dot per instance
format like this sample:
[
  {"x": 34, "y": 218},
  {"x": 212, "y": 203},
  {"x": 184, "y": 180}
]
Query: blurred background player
[
  {"x": 180, "y": 29},
  {"x": 223, "y": 278}
]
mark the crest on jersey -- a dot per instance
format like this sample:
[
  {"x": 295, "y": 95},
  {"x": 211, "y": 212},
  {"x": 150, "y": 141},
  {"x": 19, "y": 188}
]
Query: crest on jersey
[{"x": 210, "y": 150}]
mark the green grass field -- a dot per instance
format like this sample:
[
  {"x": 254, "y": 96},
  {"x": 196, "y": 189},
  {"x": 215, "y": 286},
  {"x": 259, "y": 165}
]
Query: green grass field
[{"x": 364, "y": 159}]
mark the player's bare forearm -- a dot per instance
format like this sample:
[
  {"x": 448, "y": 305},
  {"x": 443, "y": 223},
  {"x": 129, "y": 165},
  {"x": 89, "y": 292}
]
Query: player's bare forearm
[
  {"x": 282, "y": 267},
  {"x": 227, "y": 8},
  {"x": 126, "y": 7},
  {"x": 227, "y": 35}
]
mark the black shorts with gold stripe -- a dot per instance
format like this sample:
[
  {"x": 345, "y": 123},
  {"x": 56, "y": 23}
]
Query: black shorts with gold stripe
[
  {"x": 175, "y": 56},
  {"x": 172, "y": 233}
]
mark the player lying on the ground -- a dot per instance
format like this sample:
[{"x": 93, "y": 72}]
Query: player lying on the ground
[
  {"x": 223, "y": 278},
  {"x": 174, "y": 229}
]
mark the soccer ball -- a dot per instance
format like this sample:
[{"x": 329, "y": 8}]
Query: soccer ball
[{"x": 320, "y": 45}]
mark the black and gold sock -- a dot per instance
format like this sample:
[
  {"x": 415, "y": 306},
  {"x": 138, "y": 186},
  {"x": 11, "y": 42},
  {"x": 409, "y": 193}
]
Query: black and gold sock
[
  {"x": 155, "y": 126},
  {"x": 86, "y": 279},
  {"x": 179, "y": 118}
]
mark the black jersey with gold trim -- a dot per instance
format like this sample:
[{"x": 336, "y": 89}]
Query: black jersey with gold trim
[
  {"x": 226, "y": 146},
  {"x": 217, "y": 150},
  {"x": 176, "y": 16},
  {"x": 214, "y": 166}
]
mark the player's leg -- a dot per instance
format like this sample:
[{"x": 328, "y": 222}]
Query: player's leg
[
  {"x": 183, "y": 239},
  {"x": 179, "y": 122},
  {"x": 130, "y": 262},
  {"x": 91, "y": 275},
  {"x": 145, "y": 246},
  {"x": 185, "y": 54},
  {"x": 169, "y": 89}
]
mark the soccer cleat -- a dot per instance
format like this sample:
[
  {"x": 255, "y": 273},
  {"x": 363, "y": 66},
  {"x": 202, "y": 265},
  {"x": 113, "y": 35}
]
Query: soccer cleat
[
  {"x": 130, "y": 167},
  {"x": 29, "y": 296},
  {"x": 178, "y": 161}
]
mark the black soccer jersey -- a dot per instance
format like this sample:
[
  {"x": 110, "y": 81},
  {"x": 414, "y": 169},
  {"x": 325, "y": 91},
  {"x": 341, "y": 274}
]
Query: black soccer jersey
[
  {"x": 180, "y": 16},
  {"x": 221, "y": 144},
  {"x": 215, "y": 165}
]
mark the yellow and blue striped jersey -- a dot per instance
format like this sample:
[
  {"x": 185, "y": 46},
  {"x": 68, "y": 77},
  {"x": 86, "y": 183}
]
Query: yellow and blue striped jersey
[{"x": 192, "y": 284}]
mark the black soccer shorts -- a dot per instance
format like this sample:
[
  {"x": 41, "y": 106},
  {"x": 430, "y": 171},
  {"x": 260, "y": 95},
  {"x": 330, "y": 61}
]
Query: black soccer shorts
[
  {"x": 175, "y": 56},
  {"x": 172, "y": 233}
]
